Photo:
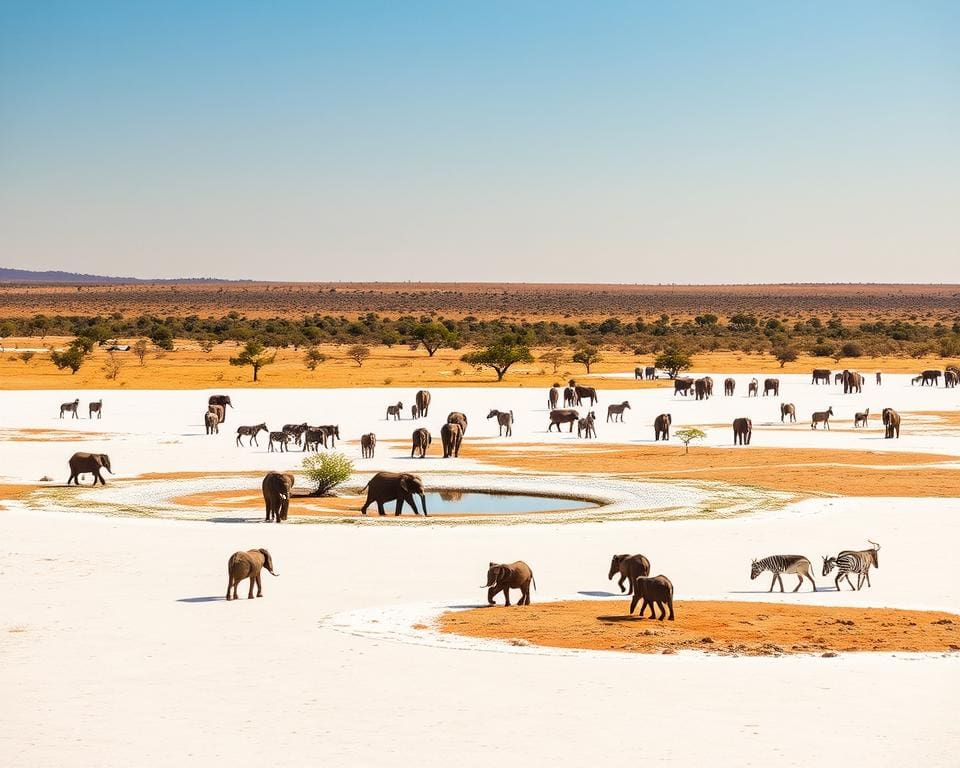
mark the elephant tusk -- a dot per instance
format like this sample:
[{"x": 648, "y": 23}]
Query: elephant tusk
[{"x": 488, "y": 586}]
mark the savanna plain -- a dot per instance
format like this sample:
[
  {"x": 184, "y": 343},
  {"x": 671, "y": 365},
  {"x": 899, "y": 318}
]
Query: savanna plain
[{"x": 375, "y": 643}]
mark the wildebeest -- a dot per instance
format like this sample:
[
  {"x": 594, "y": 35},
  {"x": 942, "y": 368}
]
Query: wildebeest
[{"x": 560, "y": 416}]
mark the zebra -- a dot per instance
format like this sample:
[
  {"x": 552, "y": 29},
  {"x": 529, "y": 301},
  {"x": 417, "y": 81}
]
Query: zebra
[
  {"x": 252, "y": 433},
  {"x": 778, "y": 564},
  {"x": 853, "y": 561},
  {"x": 278, "y": 437},
  {"x": 295, "y": 431},
  {"x": 70, "y": 408}
]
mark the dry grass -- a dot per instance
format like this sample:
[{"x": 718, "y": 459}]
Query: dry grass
[
  {"x": 718, "y": 627},
  {"x": 798, "y": 470},
  {"x": 188, "y": 367}
]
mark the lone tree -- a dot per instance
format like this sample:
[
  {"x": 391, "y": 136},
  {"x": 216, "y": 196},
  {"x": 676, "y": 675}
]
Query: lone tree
[
  {"x": 140, "y": 349},
  {"x": 784, "y": 355},
  {"x": 554, "y": 357},
  {"x": 72, "y": 358},
  {"x": 313, "y": 358},
  {"x": 673, "y": 361},
  {"x": 254, "y": 355},
  {"x": 358, "y": 353},
  {"x": 327, "y": 470},
  {"x": 687, "y": 435},
  {"x": 434, "y": 336},
  {"x": 506, "y": 352},
  {"x": 586, "y": 356}
]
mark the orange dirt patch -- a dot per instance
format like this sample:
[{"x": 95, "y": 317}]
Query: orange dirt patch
[
  {"x": 719, "y": 627},
  {"x": 848, "y": 473},
  {"x": 14, "y": 492}
]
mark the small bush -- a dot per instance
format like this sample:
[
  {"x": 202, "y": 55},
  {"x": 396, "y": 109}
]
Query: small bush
[
  {"x": 327, "y": 470},
  {"x": 822, "y": 350},
  {"x": 851, "y": 349}
]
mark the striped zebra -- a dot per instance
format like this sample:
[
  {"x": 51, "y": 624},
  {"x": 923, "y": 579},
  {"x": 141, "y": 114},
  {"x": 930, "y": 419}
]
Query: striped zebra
[
  {"x": 853, "y": 561},
  {"x": 251, "y": 432},
  {"x": 778, "y": 564}
]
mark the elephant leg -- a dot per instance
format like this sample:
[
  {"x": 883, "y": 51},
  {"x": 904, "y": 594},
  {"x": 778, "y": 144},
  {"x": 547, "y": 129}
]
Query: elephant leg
[
  {"x": 620, "y": 583},
  {"x": 492, "y": 595},
  {"x": 250, "y": 591},
  {"x": 663, "y": 611},
  {"x": 525, "y": 600},
  {"x": 634, "y": 601},
  {"x": 399, "y": 508},
  {"x": 380, "y": 510},
  {"x": 670, "y": 606},
  {"x": 259, "y": 586},
  {"x": 229, "y": 586},
  {"x": 506, "y": 596}
]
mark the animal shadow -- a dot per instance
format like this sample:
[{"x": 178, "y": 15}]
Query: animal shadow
[
  {"x": 598, "y": 593},
  {"x": 619, "y": 618},
  {"x": 207, "y": 599}
]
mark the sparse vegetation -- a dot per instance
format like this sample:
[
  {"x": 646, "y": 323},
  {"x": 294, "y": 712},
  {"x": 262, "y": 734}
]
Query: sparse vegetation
[
  {"x": 358, "y": 353},
  {"x": 255, "y": 356},
  {"x": 501, "y": 356},
  {"x": 313, "y": 357},
  {"x": 586, "y": 356},
  {"x": 687, "y": 435},
  {"x": 673, "y": 361},
  {"x": 140, "y": 349},
  {"x": 327, "y": 471}
]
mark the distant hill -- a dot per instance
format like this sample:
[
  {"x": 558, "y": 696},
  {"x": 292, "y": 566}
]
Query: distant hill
[{"x": 53, "y": 276}]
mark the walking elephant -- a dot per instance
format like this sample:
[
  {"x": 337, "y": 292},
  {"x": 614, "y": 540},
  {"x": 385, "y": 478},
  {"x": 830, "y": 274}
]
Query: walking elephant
[
  {"x": 276, "y": 488},
  {"x": 387, "y": 486},
  {"x": 891, "y": 423},
  {"x": 211, "y": 423},
  {"x": 788, "y": 409},
  {"x": 771, "y": 385},
  {"x": 930, "y": 377},
  {"x": 742, "y": 431},
  {"x": 852, "y": 382},
  {"x": 222, "y": 400},
  {"x": 629, "y": 567},
  {"x": 586, "y": 393},
  {"x": 421, "y": 441},
  {"x": 820, "y": 376},
  {"x": 88, "y": 463},
  {"x": 423, "y": 402},
  {"x": 661, "y": 427},
  {"x": 451, "y": 436},
  {"x": 683, "y": 386},
  {"x": 553, "y": 397},
  {"x": 455, "y": 417},
  {"x": 729, "y": 386},
  {"x": 502, "y": 577},
  {"x": 656, "y": 590},
  {"x": 247, "y": 565}
]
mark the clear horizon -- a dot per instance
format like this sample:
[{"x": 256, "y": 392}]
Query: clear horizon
[{"x": 742, "y": 143}]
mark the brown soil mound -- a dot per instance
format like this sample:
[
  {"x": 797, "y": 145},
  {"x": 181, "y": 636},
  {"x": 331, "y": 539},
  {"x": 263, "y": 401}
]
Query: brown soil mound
[
  {"x": 720, "y": 627},
  {"x": 799, "y": 470}
]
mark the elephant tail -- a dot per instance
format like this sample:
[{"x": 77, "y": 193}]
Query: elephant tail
[{"x": 533, "y": 580}]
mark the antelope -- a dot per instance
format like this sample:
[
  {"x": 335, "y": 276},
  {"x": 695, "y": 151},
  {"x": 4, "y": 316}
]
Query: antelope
[
  {"x": 394, "y": 410},
  {"x": 821, "y": 417},
  {"x": 860, "y": 419},
  {"x": 504, "y": 419}
]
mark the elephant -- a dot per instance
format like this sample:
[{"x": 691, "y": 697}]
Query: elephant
[
  {"x": 560, "y": 416},
  {"x": 879, "y": 376},
  {"x": 455, "y": 417},
  {"x": 387, "y": 486},
  {"x": 414, "y": 412},
  {"x": 629, "y": 567},
  {"x": 88, "y": 463},
  {"x": 752, "y": 388},
  {"x": 655, "y": 590},
  {"x": 701, "y": 389},
  {"x": 276, "y": 495},
  {"x": 570, "y": 397},
  {"x": 650, "y": 372},
  {"x": 683, "y": 386},
  {"x": 421, "y": 441},
  {"x": 742, "y": 431},
  {"x": 950, "y": 379},
  {"x": 771, "y": 385},
  {"x": 891, "y": 423},
  {"x": 368, "y": 444},
  {"x": 423, "y": 402},
  {"x": 211, "y": 423},
  {"x": 586, "y": 393},
  {"x": 247, "y": 565},
  {"x": 451, "y": 436},
  {"x": 553, "y": 398},
  {"x": 502, "y": 577},
  {"x": 729, "y": 385},
  {"x": 931, "y": 377},
  {"x": 788, "y": 409},
  {"x": 219, "y": 411},
  {"x": 223, "y": 400},
  {"x": 820, "y": 376},
  {"x": 661, "y": 426},
  {"x": 852, "y": 382},
  {"x": 637, "y": 373}
]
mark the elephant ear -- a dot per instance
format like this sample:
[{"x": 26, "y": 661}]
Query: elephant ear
[{"x": 405, "y": 483}]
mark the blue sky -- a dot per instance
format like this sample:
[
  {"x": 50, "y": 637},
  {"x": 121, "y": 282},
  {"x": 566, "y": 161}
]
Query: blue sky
[{"x": 535, "y": 141}]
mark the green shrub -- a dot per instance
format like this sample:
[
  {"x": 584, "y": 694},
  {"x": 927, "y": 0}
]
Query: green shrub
[{"x": 327, "y": 471}]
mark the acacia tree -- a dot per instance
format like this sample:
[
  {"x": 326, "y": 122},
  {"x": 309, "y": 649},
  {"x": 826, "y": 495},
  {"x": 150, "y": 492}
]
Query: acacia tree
[
  {"x": 72, "y": 358},
  {"x": 784, "y": 355},
  {"x": 140, "y": 349},
  {"x": 554, "y": 357},
  {"x": 500, "y": 356},
  {"x": 254, "y": 355},
  {"x": 434, "y": 336},
  {"x": 687, "y": 435},
  {"x": 358, "y": 353},
  {"x": 586, "y": 356},
  {"x": 673, "y": 361}
]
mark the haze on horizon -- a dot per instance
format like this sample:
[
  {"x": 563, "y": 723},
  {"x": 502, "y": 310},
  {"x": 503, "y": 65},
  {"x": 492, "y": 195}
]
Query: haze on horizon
[{"x": 696, "y": 142}]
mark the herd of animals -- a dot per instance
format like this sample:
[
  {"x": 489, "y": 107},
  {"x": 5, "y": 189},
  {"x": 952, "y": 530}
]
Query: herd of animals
[{"x": 655, "y": 592}]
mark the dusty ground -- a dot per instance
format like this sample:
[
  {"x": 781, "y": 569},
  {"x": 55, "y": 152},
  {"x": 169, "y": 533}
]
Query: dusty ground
[
  {"x": 844, "y": 472},
  {"x": 719, "y": 627},
  {"x": 188, "y": 367}
]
